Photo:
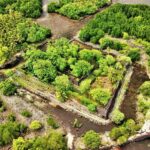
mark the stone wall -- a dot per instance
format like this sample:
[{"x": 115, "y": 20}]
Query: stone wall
[{"x": 147, "y": 2}]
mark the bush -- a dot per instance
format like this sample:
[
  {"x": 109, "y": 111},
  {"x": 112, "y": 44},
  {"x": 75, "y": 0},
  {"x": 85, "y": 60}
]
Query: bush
[
  {"x": 110, "y": 43},
  {"x": 10, "y": 131},
  {"x": 52, "y": 141},
  {"x": 35, "y": 125},
  {"x": 101, "y": 96},
  {"x": 2, "y": 106},
  {"x": 8, "y": 88},
  {"x": 121, "y": 140},
  {"x": 81, "y": 68},
  {"x": 125, "y": 35},
  {"x": 117, "y": 116},
  {"x": 85, "y": 85},
  {"x": 134, "y": 54},
  {"x": 11, "y": 117},
  {"x": 29, "y": 8},
  {"x": 53, "y": 6},
  {"x": 92, "y": 140},
  {"x": 63, "y": 85},
  {"x": 51, "y": 122},
  {"x": 115, "y": 133},
  {"x": 145, "y": 88},
  {"x": 119, "y": 20},
  {"x": 26, "y": 113}
]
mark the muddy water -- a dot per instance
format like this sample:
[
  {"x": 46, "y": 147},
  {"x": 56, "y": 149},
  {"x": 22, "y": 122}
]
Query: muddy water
[
  {"x": 129, "y": 104},
  {"x": 143, "y": 145},
  {"x": 62, "y": 26},
  {"x": 67, "y": 119}
]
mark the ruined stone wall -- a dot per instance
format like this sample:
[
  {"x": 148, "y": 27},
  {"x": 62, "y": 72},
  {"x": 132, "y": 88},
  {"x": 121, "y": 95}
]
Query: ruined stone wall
[{"x": 147, "y": 2}]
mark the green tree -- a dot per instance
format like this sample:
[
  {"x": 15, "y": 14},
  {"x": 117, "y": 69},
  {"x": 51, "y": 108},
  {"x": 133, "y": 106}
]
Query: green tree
[
  {"x": 92, "y": 140},
  {"x": 44, "y": 70},
  {"x": 81, "y": 68},
  {"x": 7, "y": 87},
  {"x": 145, "y": 88},
  {"x": 100, "y": 95},
  {"x": 63, "y": 85},
  {"x": 117, "y": 116}
]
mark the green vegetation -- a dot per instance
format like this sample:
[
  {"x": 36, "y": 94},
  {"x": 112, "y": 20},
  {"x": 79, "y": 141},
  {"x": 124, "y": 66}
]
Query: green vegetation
[
  {"x": 117, "y": 19},
  {"x": 144, "y": 99},
  {"x": 117, "y": 116},
  {"x": 75, "y": 9},
  {"x": 145, "y": 88},
  {"x": 51, "y": 122},
  {"x": 7, "y": 87},
  {"x": 10, "y": 131},
  {"x": 72, "y": 71},
  {"x": 63, "y": 85},
  {"x": 29, "y": 8},
  {"x": 92, "y": 140},
  {"x": 2, "y": 106},
  {"x": 35, "y": 125},
  {"x": 26, "y": 113},
  {"x": 124, "y": 131},
  {"x": 16, "y": 33},
  {"x": 53, "y": 141},
  {"x": 101, "y": 96}
]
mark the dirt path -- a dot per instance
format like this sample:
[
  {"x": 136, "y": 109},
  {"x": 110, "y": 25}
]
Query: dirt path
[{"x": 128, "y": 106}]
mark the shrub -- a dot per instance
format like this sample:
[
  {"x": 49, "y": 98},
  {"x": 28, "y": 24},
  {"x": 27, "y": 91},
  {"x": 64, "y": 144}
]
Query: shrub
[
  {"x": 10, "y": 131},
  {"x": 35, "y": 125},
  {"x": 101, "y": 96},
  {"x": 53, "y": 6},
  {"x": 134, "y": 54},
  {"x": 92, "y": 107},
  {"x": 117, "y": 116},
  {"x": 115, "y": 133},
  {"x": 11, "y": 117},
  {"x": 145, "y": 88},
  {"x": 85, "y": 85},
  {"x": 52, "y": 141},
  {"x": 2, "y": 106},
  {"x": 51, "y": 122},
  {"x": 121, "y": 140},
  {"x": 92, "y": 139},
  {"x": 81, "y": 68},
  {"x": 26, "y": 113},
  {"x": 8, "y": 88},
  {"x": 110, "y": 43},
  {"x": 125, "y": 35},
  {"x": 29, "y": 8},
  {"x": 44, "y": 70},
  {"x": 63, "y": 85}
]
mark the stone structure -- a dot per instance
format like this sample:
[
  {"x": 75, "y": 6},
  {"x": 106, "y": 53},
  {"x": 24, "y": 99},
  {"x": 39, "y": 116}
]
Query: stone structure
[{"x": 147, "y": 2}]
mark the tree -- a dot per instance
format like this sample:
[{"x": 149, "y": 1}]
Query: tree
[
  {"x": 53, "y": 141},
  {"x": 63, "y": 85},
  {"x": 7, "y": 87},
  {"x": 117, "y": 116},
  {"x": 92, "y": 140},
  {"x": 85, "y": 85},
  {"x": 81, "y": 68},
  {"x": 9, "y": 131},
  {"x": 101, "y": 96},
  {"x": 44, "y": 70},
  {"x": 145, "y": 88}
]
